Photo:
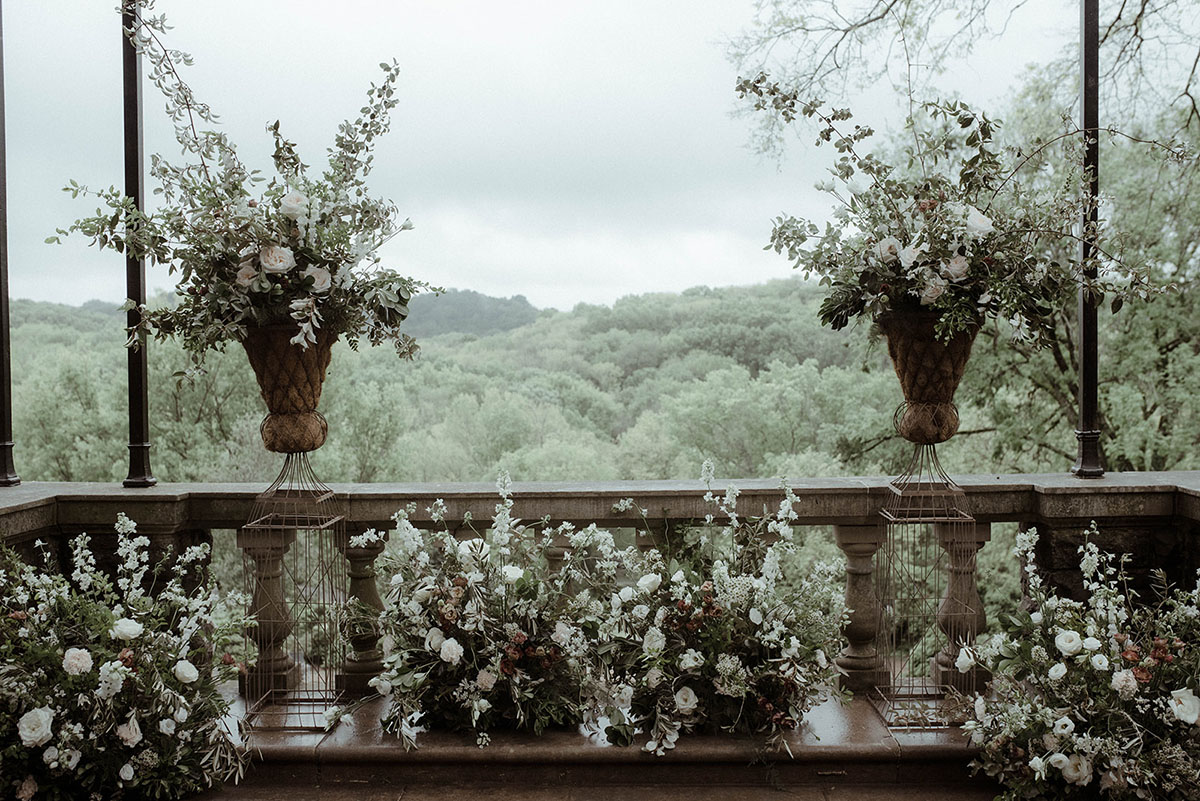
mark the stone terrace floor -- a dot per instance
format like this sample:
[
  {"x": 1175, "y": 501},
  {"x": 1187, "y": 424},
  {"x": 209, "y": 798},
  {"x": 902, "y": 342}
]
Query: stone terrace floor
[{"x": 842, "y": 753}]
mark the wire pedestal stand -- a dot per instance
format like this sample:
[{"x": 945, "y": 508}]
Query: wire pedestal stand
[{"x": 296, "y": 578}]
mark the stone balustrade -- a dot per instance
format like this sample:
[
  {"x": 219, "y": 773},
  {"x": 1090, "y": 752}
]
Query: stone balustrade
[{"x": 1153, "y": 516}]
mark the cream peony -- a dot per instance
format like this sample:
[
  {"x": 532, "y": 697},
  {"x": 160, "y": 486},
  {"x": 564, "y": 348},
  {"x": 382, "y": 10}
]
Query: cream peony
[
  {"x": 77, "y": 661},
  {"x": 686, "y": 700},
  {"x": 276, "y": 259},
  {"x": 322, "y": 280},
  {"x": 186, "y": 672},
  {"x": 293, "y": 204},
  {"x": 1185, "y": 705},
  {"x": 451, "y": 651},
  {"x": 126, "y": 629},
  {"x": 35, "y": 727},
  {"x": 1068, "y": 642}
]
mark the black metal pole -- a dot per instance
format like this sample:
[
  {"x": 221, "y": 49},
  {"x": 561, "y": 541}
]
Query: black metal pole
[
  {"x": 135, "y": 268},
  {"x": 1088, "y": 465},
  {"x": 8, "y": 471}
]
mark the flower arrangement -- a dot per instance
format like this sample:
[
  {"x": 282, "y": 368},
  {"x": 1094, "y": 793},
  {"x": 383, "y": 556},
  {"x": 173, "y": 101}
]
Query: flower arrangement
[
  {"x": 478, "y": 633},
  {"x": 947, "y": 229},
  {"x": 713, "y": 636},
  {"x": 1092, "y": 697},
  {"x": 109, "y": 691},
  {"x": 303, "y": 251}
]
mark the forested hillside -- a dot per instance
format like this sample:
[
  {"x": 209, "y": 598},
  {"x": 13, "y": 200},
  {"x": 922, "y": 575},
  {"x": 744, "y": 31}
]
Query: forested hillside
[{"x": 648, "y": 388}]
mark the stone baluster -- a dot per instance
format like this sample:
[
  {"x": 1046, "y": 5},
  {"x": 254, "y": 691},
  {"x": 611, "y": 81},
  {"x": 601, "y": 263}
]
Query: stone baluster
[
  {"x": 365, "y": 660},
  {"x": 960, "y": 615},
  {"x": 860, "y": 659},
  {"x": 275, "y": 668}
]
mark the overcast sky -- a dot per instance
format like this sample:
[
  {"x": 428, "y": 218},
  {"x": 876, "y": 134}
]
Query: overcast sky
[{"x": 566, "y": 151}]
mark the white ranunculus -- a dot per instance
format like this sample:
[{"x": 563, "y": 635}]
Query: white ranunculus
[
  {"x": 186, "y": 672},
  {"x": 1078, "y": 770},
  {"x": 965, "y": 661},
  {"x": 126, "y": 772},
  {"x": 649, "y": 582},
  {"x": 293, "y": 204},
  {"x": 888, "y": 249},
  {"x": 977, "y": 223},
  {"x": 654, "y": 641},
  {"x": 322, "y": 280},
  {"x": 686, "y": 700},
  {"x": 485, "y": 680},
  {"x": 1057, "y": 671},
  {"x": 35, "y": 727},
  {"x": 1099, "y": 662},
  {"x": 434, "y": 639},
  {"x": 276, "y": 259},
  {"x": 451, "y": 651},
  {"x": 77, "y": 661},
  {"x": 126, "y": 629},
  {"x": 130, "y": 732},
  {"x": 246, "y": 273},
  {"x": 1068, "y": 642},
  {"x": 1185, "y": 705},
  {"x": 1064, "y": 725},
  {"x": 1092, "y": 644},
  {"x": 956, "y": 268},
  {"x": 167, "y": 726},
  {"x": 511, "y": 573},
  {"x": 691, "y": 660},
  {"x": 933, "y": 290}
]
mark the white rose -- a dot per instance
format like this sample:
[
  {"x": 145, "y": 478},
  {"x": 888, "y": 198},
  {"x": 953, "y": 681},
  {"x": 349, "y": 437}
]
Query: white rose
[
  {"x": 77, "y": 661},
  {"x": 1068, "y": 642},
  {"x": 126, "y": 772},
  {"x": 686, "y": 700},
  {"x": 293, "y": 204},
  {"x": 434, "y": 639},
  {"x": 451, "y": 651},
  {"x": 933, "y": 290},
  {"x": 511, "y": 573},
  {"x": 654, "y": 641},
  {"x": 1099, "y": 662},
  {"x": 888, "y": 249},
  {"x": 1185, "y": 705},
  {"x": 486, "y": 680},
  {"x": 1078, "y": 770},
  {"x": 956, "y": 268},
  {"x": 322, "y": 280},
  {"x": 186, "y": 672},
  {"x": 909, "y": 255},
  {"x": 1091, "y": 644},
  {"x": 978, "y": 224},
  {"x": 1057, "y": 671},
  {"x": 965, "y": 661},
  {"x": 246, "y": 273},
  {"x": 650, "y": 582},
  {"x": 167, "y": 726},
  {"x": 691, "y": 660},
  {"x": 276, "y": 259},
  {"x": 126, "y": 629},
  {"x": 130, "y": 732},
  {"x": 1064, "y": 725},
  {"x": 35, "y": 727}
]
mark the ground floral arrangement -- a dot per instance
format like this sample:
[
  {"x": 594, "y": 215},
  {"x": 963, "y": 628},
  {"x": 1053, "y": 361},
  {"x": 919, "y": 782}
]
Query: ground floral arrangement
[
  {"x": 1093, "y": 697},
  {"x": 702, "y": 633},
  {"x": 110, "y": 690}
]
